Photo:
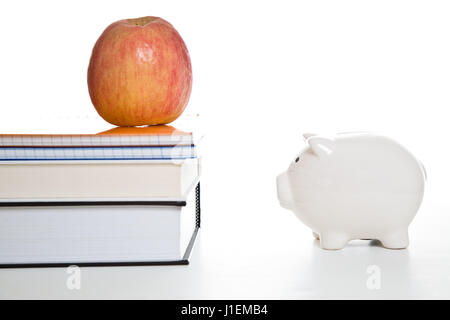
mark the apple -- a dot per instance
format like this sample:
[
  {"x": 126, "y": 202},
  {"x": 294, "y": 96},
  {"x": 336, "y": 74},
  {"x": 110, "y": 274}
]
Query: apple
[{"x": 140, "y": 73}]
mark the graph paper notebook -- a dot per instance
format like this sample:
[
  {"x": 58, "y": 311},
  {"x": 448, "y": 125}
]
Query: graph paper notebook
[
  {"x": 97, "y": 153},
  {"x": 162, "y": 135}
]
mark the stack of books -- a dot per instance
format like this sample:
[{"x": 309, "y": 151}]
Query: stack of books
[{"x": 123, "y": 196}]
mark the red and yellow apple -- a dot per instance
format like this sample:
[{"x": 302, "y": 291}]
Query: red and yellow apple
[{"x": 140, "y": 73}]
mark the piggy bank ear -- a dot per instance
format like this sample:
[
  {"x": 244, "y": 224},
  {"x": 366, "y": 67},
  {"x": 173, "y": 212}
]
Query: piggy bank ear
[{"x": 321, "y": 146}]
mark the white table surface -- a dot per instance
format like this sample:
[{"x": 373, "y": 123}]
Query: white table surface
[{"x": 250, "y": 248}]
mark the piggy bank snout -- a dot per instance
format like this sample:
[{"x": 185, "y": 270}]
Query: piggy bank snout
[{"x": 284, "y": 191}]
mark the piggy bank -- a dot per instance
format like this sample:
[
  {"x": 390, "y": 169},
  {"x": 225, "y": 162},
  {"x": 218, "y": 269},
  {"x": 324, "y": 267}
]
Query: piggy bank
[{"x": 354, "y": 186}]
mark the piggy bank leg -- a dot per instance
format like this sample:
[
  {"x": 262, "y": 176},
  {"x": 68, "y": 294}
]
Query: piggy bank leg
[
  {"x": 316, "y": 235},
  {"x": 396, "y": 239},
  {"x": 333, "y": 240}
]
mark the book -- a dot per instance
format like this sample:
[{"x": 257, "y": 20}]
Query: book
[
  {"x": 44, "y": 181},
  {"x": 98, "y": 233},
  {"x": 161, "y": 135}
]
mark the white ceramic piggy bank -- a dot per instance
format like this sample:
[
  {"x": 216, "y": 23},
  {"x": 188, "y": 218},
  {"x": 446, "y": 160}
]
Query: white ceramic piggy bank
[{"x": 354, "y": 186}]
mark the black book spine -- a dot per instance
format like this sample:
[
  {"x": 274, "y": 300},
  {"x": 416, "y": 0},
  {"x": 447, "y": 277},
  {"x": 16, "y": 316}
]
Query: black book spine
[{"x": 184, "y": 260}]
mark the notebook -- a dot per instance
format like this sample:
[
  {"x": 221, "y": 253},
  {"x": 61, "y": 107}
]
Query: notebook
[
  {"x": 162, "y": 135},
  {"x": 97, "y": 153}
]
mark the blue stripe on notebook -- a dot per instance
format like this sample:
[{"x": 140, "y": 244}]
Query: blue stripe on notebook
[
  {"x": 97, "y": 147},
  {"x": 84, "y": 159}
]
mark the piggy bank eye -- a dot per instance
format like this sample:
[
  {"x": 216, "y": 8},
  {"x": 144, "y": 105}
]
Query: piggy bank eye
[{"x": 297, "y": 159}]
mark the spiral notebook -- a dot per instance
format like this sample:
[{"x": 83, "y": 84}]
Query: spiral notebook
[{"x": 162, "y": 135}]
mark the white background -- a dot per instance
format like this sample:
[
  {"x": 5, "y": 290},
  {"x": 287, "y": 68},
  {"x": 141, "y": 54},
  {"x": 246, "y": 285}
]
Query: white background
[{"x": 264, "y": 72}]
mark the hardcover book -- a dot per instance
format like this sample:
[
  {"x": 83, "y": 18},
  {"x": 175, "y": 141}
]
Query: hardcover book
[{"x": 98, "y": 233}]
